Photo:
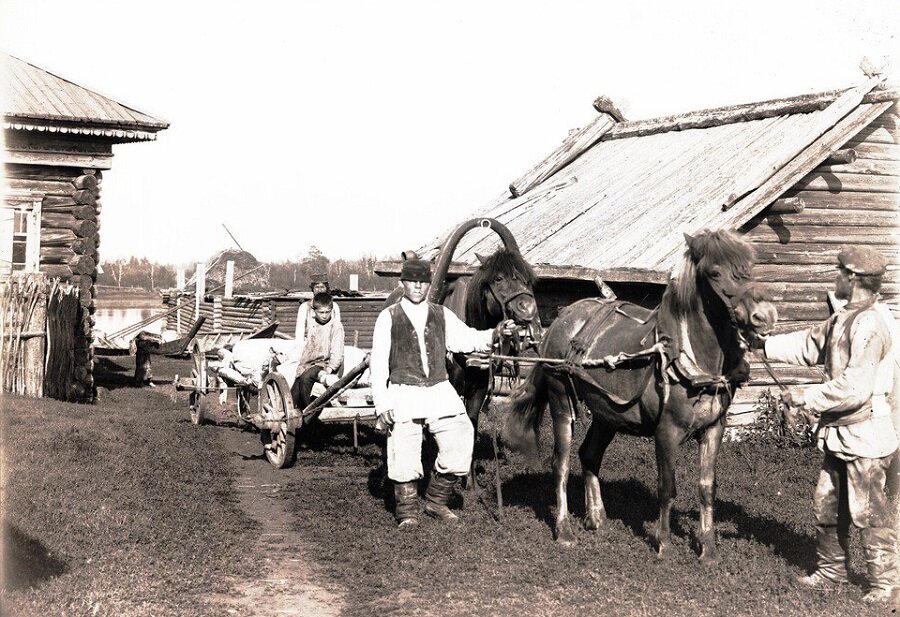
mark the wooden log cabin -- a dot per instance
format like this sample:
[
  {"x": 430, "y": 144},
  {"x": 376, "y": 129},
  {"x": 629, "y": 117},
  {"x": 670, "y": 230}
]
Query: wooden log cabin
[
  {"x": 58, "y": 143},
  {"x": 800, "y": 177}
]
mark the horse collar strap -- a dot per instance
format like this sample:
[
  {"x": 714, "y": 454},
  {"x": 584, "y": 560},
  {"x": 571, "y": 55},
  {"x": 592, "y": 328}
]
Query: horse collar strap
[{"x": 686, "y": 366}]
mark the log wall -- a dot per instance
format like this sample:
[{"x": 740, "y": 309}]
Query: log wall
[
  {"x": 69, "y": 247},
  {"x": 844, "y": 203}
]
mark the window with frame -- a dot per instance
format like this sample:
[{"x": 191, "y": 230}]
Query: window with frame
[{"x": 20, "y": 226}]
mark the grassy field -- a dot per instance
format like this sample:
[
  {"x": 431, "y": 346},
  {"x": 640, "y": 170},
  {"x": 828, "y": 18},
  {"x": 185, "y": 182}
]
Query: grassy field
[
  {"x": 125, "y": 509},
  {"x": 115, "y": 509},
  {"x": 485, "y": 566}
]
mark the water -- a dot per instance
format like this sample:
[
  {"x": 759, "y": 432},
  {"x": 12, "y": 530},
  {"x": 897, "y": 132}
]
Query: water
[{"x": 112, "y": 319}]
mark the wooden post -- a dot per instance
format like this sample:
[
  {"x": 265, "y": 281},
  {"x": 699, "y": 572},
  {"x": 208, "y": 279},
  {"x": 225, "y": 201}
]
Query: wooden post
[
  {"x": 200, "y": 279},
  {"x": 179, "y": 284},
  {"x": 229, "y": 278},
  {"x": 354, "y": 282},
  {"x": 217, "y": 312},
  {"x": 33, "y": 356}
]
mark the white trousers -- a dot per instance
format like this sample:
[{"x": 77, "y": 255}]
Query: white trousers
[{"x": 455, "y": 439}]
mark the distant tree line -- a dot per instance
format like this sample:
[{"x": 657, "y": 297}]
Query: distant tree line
[{"x": 288, "y": 274}]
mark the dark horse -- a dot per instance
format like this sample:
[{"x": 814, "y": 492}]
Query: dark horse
[
  {"x": 669, "y": 373},
  {"x": 501, "y": 288}
]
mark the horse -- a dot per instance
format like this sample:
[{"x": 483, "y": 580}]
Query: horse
[
  {"x": 501, "y": 288},
  {"x": 669, "y": 373}
]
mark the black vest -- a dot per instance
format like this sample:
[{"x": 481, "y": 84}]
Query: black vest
[{"x": 405, "y": 362}]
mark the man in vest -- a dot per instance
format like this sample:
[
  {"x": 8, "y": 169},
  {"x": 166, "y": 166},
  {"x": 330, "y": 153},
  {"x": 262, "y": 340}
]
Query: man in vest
[
  {"x": 855, "y": 430},
  {"x": 411, "y": 392}
]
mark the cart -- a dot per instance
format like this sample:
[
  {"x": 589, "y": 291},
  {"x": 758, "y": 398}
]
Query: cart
[{"x": 276, "y": 418}]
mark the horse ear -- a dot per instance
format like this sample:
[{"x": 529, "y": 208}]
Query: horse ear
[
  {"x": 481, "y": 258},
  {"x": 689, "y": 239}
]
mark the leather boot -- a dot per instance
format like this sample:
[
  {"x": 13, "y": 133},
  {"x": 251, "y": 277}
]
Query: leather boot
[
  {"x": 406, "y": 500},
  {"x": 880, "y": 551},
  {"x": 831, "y": 553},
  {"x": 438, "y": 493}
]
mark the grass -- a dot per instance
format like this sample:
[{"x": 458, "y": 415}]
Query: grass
[
  {"x": 125, "y": 509},
  {"x": 485, "y": 566},
  {"x": 115, "y": 509}
]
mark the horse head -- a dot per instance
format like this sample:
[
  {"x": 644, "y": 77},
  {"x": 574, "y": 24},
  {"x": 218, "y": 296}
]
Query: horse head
[
  {"x": 719, "y": 265},
  {"x": 502, "y": 288}
]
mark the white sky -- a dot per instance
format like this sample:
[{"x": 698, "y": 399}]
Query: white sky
[{"x": 370, "y": 127}]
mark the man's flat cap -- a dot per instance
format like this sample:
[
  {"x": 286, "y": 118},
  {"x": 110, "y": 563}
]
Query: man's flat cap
[{"x": 863, "y": 260}]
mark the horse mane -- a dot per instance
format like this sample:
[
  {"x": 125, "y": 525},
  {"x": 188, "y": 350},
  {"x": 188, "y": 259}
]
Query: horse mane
[
  {"x": 721, "y": 247},
  {"x": 507, "y": 262}
]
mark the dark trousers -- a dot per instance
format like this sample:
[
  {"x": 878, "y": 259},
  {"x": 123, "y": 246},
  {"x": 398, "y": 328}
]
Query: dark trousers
[{"x": 302, "y": 388}]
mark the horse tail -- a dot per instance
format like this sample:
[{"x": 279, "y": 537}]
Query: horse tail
[{"x": 526, "y": 410}]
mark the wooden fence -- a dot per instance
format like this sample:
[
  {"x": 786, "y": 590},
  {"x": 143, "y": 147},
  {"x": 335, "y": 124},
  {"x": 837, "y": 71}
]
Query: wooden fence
[{"x": 37, "y": 329}]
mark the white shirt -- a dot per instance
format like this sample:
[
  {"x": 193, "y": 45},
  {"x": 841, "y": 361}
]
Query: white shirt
[{"x": 412, "y": 402}]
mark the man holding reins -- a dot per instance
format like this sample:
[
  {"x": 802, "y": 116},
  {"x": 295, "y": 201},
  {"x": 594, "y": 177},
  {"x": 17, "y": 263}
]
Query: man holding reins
[
  {"x": 855, "y": 429},
  {"x": 411, "y": 391}
]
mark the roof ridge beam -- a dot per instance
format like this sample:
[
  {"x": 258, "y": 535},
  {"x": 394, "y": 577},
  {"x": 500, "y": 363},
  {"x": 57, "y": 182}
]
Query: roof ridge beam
[{"x": 718, "y": 116}]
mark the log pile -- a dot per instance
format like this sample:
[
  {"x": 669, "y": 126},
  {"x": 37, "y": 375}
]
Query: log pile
[{"x": 70, "y": 238}]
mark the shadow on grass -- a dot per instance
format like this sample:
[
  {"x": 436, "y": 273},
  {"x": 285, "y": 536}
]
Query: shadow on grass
[
  {"x": 796, "y": 548},
  {"x": 27, "y": 562},
  {"x": 635, "y": 506}
]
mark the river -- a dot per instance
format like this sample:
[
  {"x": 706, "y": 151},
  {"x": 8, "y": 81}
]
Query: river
[{"x": 120, "y": 308}]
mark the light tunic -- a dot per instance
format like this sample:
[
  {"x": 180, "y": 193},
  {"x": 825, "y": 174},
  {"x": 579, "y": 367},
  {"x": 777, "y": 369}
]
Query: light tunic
[
  {"x": 859, "y": 364},
  {"x": 305, "y": 313},
  {"x": 410, "y": 402},
  {"x": 323, "y": 344}
]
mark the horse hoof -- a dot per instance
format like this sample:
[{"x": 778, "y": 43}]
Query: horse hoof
[
  {"x": 709, "y": 558},
  {"x": 565, "y": 537},
  {"x": 663, "y": 550},
  {"x": 592, "y": 523}
]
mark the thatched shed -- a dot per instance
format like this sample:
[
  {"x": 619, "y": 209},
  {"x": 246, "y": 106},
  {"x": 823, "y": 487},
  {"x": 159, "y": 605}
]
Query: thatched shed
[
  {"x": 800, "y": 177},
  {"x": 59, "y": 138}
]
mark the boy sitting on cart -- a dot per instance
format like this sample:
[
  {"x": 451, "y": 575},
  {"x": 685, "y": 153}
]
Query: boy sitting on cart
[{"x": 322, "y": 357}]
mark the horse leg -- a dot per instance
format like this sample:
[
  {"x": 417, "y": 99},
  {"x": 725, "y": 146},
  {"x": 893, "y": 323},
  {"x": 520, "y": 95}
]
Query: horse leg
[
  {"x": 562, "y": 413},
  {"x": 598, "y": 438},
  {"x": 710, "y": 442},
  {"x": 666, "y": 443}
]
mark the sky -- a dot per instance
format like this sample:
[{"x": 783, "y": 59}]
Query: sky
[{"x": 368, "y": 128}]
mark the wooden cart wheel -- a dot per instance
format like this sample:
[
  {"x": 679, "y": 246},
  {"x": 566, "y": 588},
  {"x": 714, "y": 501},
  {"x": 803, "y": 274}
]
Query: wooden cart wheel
[
  {"x": 275, "y": 403},
  {"x": 243, "y": 407},
  {"x": 201, "y": 381}
]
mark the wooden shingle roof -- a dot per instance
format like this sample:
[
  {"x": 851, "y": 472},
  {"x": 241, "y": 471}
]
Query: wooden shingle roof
[
  {"x": 36, "y": 99},
  {"x": 621, "y": 207}
]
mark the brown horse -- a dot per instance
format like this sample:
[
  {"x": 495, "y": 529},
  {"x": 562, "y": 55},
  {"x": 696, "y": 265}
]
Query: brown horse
[
  {"x": 669, "y": 373},
  {"x": 501, "y": 288}
]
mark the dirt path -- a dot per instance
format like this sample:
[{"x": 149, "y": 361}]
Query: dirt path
[{"x": 285, "y": 585}]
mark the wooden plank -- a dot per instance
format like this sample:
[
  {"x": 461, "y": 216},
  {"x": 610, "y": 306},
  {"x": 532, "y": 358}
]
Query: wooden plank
[
  {"x": 863, "y": 166},
  {"x": 797, "y": 253},
  {"x": 808, "y": 273},
  {"x": 817, "y": 181},
  {"x": 803, "y": 311},
  {"x": 877, "y": 133},
  {"x": 833, "y": 217},
  {"x": 738, "y": 113},
  {"x": 883, "y": 152},
  {"x": 814, "y": 154},
  {"x": 572, "y": 147},
  {"x": 848, "y": 200},
  {"x": 822, "y": 234}
]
